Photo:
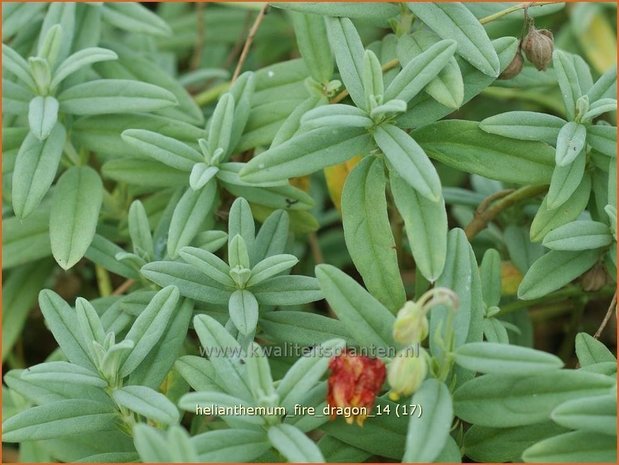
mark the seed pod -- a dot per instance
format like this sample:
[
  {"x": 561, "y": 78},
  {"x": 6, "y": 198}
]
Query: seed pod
[
  {"x": 538, "y": 45},
  {"x": 514, "y": 68}
]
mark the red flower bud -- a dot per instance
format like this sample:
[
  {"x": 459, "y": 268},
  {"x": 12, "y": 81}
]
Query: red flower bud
[{"x": 353, "y": 384}]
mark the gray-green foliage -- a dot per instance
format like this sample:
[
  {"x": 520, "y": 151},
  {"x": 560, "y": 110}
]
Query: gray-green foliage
[{"x": 206, "y": 218}]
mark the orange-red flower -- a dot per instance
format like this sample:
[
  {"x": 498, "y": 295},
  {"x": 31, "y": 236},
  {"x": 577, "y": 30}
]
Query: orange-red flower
[{"x": 354, "y": 382}]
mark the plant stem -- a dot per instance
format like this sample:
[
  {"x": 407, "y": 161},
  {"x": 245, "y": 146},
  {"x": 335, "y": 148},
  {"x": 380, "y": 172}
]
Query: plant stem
[
  {"x": 386, "y": 67},
  {"x": 212, "y": 94},
  {"x": 123, "y": 287},
  {"x": 197, "y": 49},
  {"x": 315, "y": 248},
  {"x": 511, "y": 9},
  {"x": 611, "y": 307},
  {"x": 482, "y": 218},
  {"x": 249, "y": 41},
  {"x": 103, "y": 281}
]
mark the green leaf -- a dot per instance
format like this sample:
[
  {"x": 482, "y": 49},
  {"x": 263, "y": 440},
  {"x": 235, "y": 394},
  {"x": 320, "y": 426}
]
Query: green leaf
[
  {"x": 25, "y": 240},
  {"x": 565, "y": 267},
  {"x": 105, "y": 96},
  {"x": 148, "y": 403},
  {"x": 243, "y": 308},
  {"x": 287, "y": 290},
  {"x": 546, "y": 219},
  {"x": 348, "y": 51},
  {"x": 223, "y": 445},
  {"x": 224, "y": 354},
  {"x": 148, "y": 328},
  {"x": 524, "y": 125},
  {"x": 134, "y": 17},
  {"x": 302, "y": 328},
  {"x": 103, "y": 252},
  {"x": 447, "y": 87},
  {"x": 67, "y": 372},
  {"x": 605, "y": 105},
  {"x": 577, "y": 446},
  {"x": 147, "y": 173},
  {"x": 209, "y": 264},
  {"x": 241, "y": 222},
  {"x": 591, "y": 351},
  {"x": 15, "y": 98},
  {"x": 372, "y": 78},
  {"x": 364, "y": 317},
  {"x": 78, "y": 60},
  {"x": 426, "y": 227},
  {"x": 42, "y": 116},
  {"x": 376, "y": 13},
  {"x": 506, "y": 400},
  {"x": 488, "y": 357},
  {"x": 176, "y": 446},
  {"x": 578, "y": 235},
  {"x": 191, "y": 211},
  {"x": 35, "y": 168},
  {"x": 16, "y": 65},
  {"x": 420, "y": 71},
  {"x": 335, "y": 115},
  {"x": 162, "y": 148},
  {"x": 139, "y": 230},
  {"x": 565, "y": 180},
  {"x": 74, "y": 214},
  {"x": 201, "y": 174},
  {"x": 409, "y": 161},
  {"x": 603, "y": 139},
  {"x": 570, "y": 142},
  {"x": 454, "y": 21},
  {"x": 294, "y": 445},
  {"x": 58, "y": 419},
  {"x": 307, "y": 153},
  {"x": 220, "y": 128},
  {"x": 190, "y": 282},
  {"x": 565, "y": 66},
  {"x": 427, "y": 435},
  {"x": 273, "y": 235},
  {"x": 594, "y": 414},
  {"x": 313, "y": 45},
  {"x": 605, "y": 86},
  {"x": 484, "y": 444},
  {"x": 368, "y": 234},
  {"x": 462, "y": 145},
  {"x": 306, "y": 372},
  {"x": 490, "y": 274},
  {"x": 271, "y": 266}
]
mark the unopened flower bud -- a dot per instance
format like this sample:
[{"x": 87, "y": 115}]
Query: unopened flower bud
[
  {"x": 411, "y": 324},
  {"x": 538, "y": 45},
  {"x": 406, "y": 372},
  {"x": 514, "y": 68}
]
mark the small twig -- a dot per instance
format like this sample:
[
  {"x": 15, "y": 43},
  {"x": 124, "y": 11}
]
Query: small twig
[
  {"x": 239, "y": 42},
  {"x": 511, "y": 9},
  {"x": 249, "y": 41},
  {"x": 484, "y": 204},
  {"x": 103, "y": 281},
  {"x": 123, "y": 287},
  {"x": 197, "y": 50},
  {"x": 386, "y": 67},
  {"x": 315, "y": 248},
  {"x": 481, "y": 220},
  {"x": 613, "y": 304}
]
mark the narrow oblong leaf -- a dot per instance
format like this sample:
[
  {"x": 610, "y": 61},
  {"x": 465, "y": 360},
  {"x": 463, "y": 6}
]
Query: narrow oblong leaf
[
  {"x": 294, "y": 445},
  {"x": 501, "y": 400},
  {"x": 368, "y": 234},
  {"x": 74, "y": 214},
  {"x": 307, "y": 153},
  {"x": 363, "y": 316},
  {"x": 420, "y": 71},
  {"x": 570, "y": 142},
  {"x": 575, "y": 446},
  {"x": 208, "y": 263},
  {"x": 42, "y": 116},
  {"x": 578, "y": 235},
  {"x": 565, "y": 180},
  {"x": 35, "y": 169},
  {"x": 148, "y": 327},
  {"x": 243, "y": 308},
  {"x": 427, "y": 435},
  {"x": 271, "y": 266},
  {"x": 595, "y": 414},
  {"x": 488, "y": 357},
  {"x": 524, "y": 125},
  {"x": 565, "y": 267},
  {"x": 426, "y": 227},
  {"x": 67, "y": 372},
  {"x": 409, "y": 161},
  {"x": 454, "y": 21},
  {"x": 148, "y": 403},
  {"x": 335, "y": 115},
  {"x": 312, "y": 41},
  {"x": 163, "y": 148},
  {"x": 134, "y": 17},
  {"x": 78, "y": 60},
  {"x": 591, "y": 351},
  {"x": 114, "y": 96}
]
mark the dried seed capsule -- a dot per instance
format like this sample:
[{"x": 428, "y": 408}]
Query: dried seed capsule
[
  {"x": 514, "y": 68},
  {"x": 538, "y": 45}
]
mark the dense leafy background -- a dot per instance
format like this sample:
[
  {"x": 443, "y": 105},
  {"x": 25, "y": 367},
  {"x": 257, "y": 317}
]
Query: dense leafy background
[{"x": 158, "y": 202}]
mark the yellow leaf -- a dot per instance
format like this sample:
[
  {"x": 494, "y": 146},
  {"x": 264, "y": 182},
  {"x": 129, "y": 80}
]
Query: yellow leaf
[
  {"x": 336, "y": 177},
  {"x": 510, "y": 278},
  {"x": 599, "y": 43}
]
